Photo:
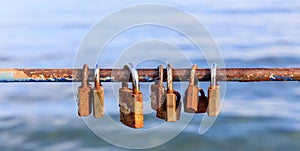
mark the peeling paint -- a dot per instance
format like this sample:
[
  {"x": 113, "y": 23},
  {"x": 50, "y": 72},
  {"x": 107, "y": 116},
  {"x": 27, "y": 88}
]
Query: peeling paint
[
  {"x": 106, "y": 79},
  {"x": 280, "y": 78},
  {"x": 146, "y": 78}
]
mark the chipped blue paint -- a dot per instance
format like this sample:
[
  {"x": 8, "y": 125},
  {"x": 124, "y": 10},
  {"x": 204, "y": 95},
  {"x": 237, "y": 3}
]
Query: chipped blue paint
[
  {"x": 148, "y": 78},
  {"x": 177, "y": 79},
  {"x": 272, "y": 78},
  {"x": 237, "y": 79},
  {"x": 106, "y": 79},
  {"x": 280, "y": 78},
  {"x": 11, "y": 79}
]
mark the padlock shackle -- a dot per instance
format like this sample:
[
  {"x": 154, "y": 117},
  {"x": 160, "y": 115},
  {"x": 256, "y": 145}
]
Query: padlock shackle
[
  {"x": 135, "y": 77},
  {"x": 193, "y": 80},
  {"x": 201, "y": 92},
  {"x": 213, "y": 75},
  {"x": 160, "y": 74},
  {"x": 169, "y": 78},
  {"x": 178, "y": 97},
  {"x": 97, "y": 77},
  {"x": 85, "y": 75}
]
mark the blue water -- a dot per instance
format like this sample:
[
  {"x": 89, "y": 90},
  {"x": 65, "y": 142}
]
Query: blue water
[{"x": 255, "y": 116}]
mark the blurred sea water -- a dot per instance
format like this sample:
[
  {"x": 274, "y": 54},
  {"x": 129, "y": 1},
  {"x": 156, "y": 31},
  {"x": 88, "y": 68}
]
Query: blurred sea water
[{"x": 255, "y": 116}]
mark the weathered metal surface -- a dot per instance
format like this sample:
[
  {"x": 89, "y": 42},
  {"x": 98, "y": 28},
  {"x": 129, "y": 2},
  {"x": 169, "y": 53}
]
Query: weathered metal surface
[
  {"x": 191, "y": 97},
  {"x": 40, "y": 75},
  {"x": 131, "y": 108},
  {"x": 84, "y": 94},
  {"x": 131, "y": 101},
  {"x": 98, "y": 96},
  {"x": 171, "y": 108},
  {"x": 158, "y": 95},
  {"x": 98, "y": 102},
  {"x": 172, "y": 102},
  {"x": 157, "y": 91},
  {"x": 170, "y": 97},
  {"x": 213, "y": 108},
  {"x": 150, "y": 75}
]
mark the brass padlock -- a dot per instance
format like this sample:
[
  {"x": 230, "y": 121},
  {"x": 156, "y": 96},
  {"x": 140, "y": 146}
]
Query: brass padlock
[
  {"x": 84, "y": 94},
  {"x": 131, "y": 101},
  {"x": 172, "y": 103},
  {"x": 98, "y": 94},
  {"x": 193, "y": 103},
  {"x": 158, "y": 95},
  {"x": 191, "y": 94},
  {"x": 213, "y": 94}
]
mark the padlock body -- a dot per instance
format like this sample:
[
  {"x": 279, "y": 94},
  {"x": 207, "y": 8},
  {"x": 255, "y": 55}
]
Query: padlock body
[
  {"x": 178, "y": 109},
  {"x": 213, "y": 108},
  {"x": 158, "y": 96},
  {"x": 84, "y": 104},
  {"x": 98, "y": 102},
  {"x": 131, "y": 108},
  {"x": 191, "y": 99},
  {"x": 171, "y": 115},
  {"x": 161, "y": 112}
]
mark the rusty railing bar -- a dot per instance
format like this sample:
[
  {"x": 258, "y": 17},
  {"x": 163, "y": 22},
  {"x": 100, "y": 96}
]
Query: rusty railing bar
[{"x": 150, "y": 75}]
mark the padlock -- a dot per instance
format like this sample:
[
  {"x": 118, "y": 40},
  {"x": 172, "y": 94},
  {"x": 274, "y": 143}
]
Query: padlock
[
  {"x": 98, "y": 94},
  {"x": 131, "y": 101},
  {"x": 84, "y": 94},
  {"x": 193, "y": 103},
  {"x": 158, "y": 95},
  {"x": 172, "y": 103},
  {"x": 213, "y": 94},
  {"x": 191, "y": 94}
]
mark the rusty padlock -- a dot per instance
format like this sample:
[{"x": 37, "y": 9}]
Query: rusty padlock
[
  {"x": 191, "y": 94},
  {"x": 193, "y": 103},
  {"x": 172, "y": 103},
  {"x": 158, "y": 95},
  {"x": 131, "y": 101},
  {"x": 84, "y": 94},
  {"x": 213, "y": 94},
  {"x": 98, "y": 94}
]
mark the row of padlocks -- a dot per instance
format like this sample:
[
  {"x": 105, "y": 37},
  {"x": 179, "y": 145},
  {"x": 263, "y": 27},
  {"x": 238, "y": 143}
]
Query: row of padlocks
[{"x": 165, "y": 101}]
